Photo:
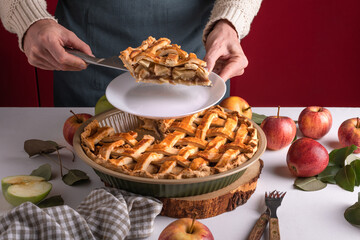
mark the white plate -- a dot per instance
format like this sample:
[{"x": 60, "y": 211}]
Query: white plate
[{"x": 162, "y": 100}]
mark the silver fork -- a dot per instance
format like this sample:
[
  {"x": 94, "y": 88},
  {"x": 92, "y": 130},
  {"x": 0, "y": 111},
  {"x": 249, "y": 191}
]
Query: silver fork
[{"x": 273, "y": 201}]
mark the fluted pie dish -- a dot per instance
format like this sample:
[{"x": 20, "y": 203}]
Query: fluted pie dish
[{"x": 181, "y": 157}]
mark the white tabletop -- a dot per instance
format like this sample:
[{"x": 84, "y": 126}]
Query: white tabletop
[{"x": 302, "y": 215}]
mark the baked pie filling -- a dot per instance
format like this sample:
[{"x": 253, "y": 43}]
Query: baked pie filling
[
  {"x": 159, "y": 61},
  {"x": 198, "y": 145}
]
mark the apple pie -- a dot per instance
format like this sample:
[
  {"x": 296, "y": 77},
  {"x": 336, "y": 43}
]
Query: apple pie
[
  {"x": 159, "y": 61},
  {"x": 202, "y": 144}
]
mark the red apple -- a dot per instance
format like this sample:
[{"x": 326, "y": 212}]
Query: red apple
[
  {"x": 315, "y": 122},
  {"x": 349, "y": 133},
  {"x": 72, "y": 124},
  {"x": 186, "y": 228},
  {"x": 306, "y": 158},
  {"x": 280, "y": 131}
]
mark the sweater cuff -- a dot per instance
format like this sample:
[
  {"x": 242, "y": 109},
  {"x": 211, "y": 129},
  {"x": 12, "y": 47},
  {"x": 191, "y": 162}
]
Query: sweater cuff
[
  {"x": 24, "y": 14},
  {"x": 240, "y": 14}
]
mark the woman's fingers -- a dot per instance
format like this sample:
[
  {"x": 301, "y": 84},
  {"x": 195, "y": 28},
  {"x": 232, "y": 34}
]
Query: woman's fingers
[
  {"x": 73, "y": 41},
  {"x": 234, "y": 67},
  {"x": 64, "y": 59},
  {"x": 44, "y": 45},
  {"x": 224, "y": 54},
  {"x": 213, "y": 53},
  {"x": 43, "y": 59}
]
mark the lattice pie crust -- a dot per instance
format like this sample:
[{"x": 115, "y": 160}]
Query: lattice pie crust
[
  {"x": 159, "y": 61},
  {"x": 202, "y": 144}
]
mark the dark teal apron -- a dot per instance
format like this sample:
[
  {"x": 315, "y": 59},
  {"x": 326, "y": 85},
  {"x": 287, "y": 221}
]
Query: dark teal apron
[{"x": 110, "y": 26}]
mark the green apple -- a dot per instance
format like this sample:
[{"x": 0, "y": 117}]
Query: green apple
[
  {"x": 24, "y": 188},
  {"x": 102, "y": 105}
]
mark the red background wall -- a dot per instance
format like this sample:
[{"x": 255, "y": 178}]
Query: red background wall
[
  {"x": 300, "y": 53},
  {"x": 303, "y": 53}
]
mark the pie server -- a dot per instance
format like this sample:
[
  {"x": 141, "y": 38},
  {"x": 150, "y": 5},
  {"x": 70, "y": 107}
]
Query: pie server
[{"x": 111, "y": 62}]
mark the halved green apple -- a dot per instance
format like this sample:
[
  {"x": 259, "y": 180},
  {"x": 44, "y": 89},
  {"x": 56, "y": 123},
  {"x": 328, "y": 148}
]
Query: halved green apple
[{"x": 23, "y": 188}]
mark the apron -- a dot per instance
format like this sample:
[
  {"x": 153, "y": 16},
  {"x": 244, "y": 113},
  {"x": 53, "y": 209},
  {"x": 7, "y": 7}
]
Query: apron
[{"x": 110, "y": 26}]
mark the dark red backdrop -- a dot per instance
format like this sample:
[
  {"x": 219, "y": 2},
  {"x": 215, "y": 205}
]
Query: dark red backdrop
[{"x": 300, "y": 53}]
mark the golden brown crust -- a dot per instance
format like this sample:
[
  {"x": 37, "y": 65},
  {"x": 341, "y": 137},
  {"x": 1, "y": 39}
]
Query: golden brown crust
[
  {"x": 159, "y": 61},
  {"x": 202, "y": 144}
]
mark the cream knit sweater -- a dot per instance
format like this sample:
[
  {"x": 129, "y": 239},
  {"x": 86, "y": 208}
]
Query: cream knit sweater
[{"x": 18, "y": 15}]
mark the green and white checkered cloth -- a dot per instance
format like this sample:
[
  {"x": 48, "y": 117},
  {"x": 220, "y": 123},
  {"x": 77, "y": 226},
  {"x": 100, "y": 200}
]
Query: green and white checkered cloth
[{"x": 107, "y": 213}]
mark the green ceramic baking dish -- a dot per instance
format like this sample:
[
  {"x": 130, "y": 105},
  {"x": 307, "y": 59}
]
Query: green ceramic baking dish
[{"x": 121, "y": 122}]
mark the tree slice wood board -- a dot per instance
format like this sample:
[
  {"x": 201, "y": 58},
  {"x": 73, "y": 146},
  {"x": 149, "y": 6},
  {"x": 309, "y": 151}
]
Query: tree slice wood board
[{"x": 217, "y": 202}]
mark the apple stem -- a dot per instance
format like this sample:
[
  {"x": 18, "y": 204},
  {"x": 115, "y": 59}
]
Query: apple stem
[
  {"x": 61, "y": 172},
  {"x": 192, "y": 224},
  {"x": 73, "y": 154},
  {"x": 77, "y": 118},
  {"x": 358, "y": 123},
  {"x": 46, "y": 155},
  {"x": 278, "y": 112}
]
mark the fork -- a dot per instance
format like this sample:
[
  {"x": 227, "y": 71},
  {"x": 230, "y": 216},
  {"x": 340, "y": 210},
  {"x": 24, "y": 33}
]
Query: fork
[
  {"x": 260, "y": 226},
  {"x": 273, "y": 201}
]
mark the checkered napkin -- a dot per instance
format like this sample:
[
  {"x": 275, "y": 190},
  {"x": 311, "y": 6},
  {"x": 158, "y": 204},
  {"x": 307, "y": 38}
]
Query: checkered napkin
[{"x": 107, "y": 213}]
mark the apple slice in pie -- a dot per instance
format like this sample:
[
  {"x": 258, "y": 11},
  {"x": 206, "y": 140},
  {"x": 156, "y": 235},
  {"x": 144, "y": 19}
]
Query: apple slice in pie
[{"x": 159, "y": 61}]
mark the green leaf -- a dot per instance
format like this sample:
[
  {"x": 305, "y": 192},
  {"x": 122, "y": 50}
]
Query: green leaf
[
  {"x": 75, "y": 176},
  {"x": 356, "y": 167},
  {"x": 51, "y": 202},
  {"x": 35, "y": 146},
  {"x": 43, "y": 171},
  {"x": 309, "y": 184},
  {"x": 352, "y": 214},
  {"x": 345, "y": 178},
  {"x": 337, "y": 156},
  {"x": 328, "y": 175},
  {"x": 258, "y": 118}
]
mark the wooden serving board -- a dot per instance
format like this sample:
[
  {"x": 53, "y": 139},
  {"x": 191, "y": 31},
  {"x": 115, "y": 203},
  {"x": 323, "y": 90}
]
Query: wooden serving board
[{"x": 217, "y": 202}]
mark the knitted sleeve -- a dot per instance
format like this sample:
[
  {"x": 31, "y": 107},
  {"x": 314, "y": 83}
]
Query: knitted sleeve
[
  {"x": 239, "y": 12},
  {"x": 18, "y": 15}
]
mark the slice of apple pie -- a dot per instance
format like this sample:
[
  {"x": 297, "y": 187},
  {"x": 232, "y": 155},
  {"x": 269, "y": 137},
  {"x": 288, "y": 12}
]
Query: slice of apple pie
[{"x": 159, "y": 61}]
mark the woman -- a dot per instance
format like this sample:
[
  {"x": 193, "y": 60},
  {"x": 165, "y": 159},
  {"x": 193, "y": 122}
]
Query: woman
[{"x": 104, "y": 28}]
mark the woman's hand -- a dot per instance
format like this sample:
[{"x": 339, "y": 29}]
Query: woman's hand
[
  {"x": 44, "y": 44},
  {"x": 224, "y": 54}
]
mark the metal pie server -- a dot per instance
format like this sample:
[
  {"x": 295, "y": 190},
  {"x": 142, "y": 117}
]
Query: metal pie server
[{"x": 111, "y": 62}]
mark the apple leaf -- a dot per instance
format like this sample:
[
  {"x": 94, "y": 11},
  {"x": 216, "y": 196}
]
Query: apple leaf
[
  {"x": 328, "y": 175},
  {"x": 258, "y": 118},
  {"x": 352, "y": 214},
  {"x": 35, "y": 146},
  {"x": 74, "y": 176},
  {"x": 345, "y": 178},
  {"x": 356, "y": 167},
  {"x": 309, "y": 184},
  {"x": 43, "y": 171},
  {"x": 337, "y": 156},
  {"x": 51, "y": 202}
]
